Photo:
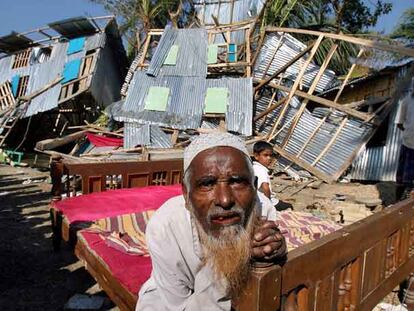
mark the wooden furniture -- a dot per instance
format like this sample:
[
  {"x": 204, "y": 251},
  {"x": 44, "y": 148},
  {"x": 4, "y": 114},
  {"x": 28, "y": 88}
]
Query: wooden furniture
[
  {"x": 350, "y": 269},
  {"x": 85, "y": 178}
]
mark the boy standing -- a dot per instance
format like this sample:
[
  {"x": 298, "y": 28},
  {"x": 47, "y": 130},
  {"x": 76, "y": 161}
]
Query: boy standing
[{"x": 263, "y": 157}]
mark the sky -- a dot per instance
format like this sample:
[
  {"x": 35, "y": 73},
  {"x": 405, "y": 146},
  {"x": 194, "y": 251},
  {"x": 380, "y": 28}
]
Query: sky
[
  {"x": 23, "y": 15},
  {"x": 387, "y": 23}
]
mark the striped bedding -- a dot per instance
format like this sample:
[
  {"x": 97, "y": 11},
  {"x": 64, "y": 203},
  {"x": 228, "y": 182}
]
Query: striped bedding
[{"x": 126, "y": 233}]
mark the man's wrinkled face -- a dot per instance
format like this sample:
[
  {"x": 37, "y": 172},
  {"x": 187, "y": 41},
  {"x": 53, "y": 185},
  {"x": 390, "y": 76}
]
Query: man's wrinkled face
[{"x": 221, "y": 191}]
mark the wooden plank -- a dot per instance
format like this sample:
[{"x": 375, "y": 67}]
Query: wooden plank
[
  {"x": 331, "y": 142},
  {"x": 248, "y": 53},
  {"x": 286, "y": 66},
  {"x": 56, "y": 142},
  {"x": 279, "y": 44},
  {"x": 303, "y": 164},
  {"x": 350, "y": 39},
  {"x": 270, "y": 107},
  {"x": 310, "y": 92},
  {"x": 312, "y": 135},
  {"x": 296, "y": 85},
  {"x": 350, "y": 71},
  {"x": 324, "y": 102}
]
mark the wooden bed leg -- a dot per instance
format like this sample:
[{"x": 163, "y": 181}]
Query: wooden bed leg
[
  {"x": 409, "y": 294},
  {"x": 56, "y": 220},
  {"x": 56, "y": 173}
]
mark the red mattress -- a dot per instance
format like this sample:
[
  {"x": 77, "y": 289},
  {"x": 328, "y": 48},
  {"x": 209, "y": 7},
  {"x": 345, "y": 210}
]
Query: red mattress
[
  {"x": 111, "y": 203},
  {"x": 130, "y": 271}
]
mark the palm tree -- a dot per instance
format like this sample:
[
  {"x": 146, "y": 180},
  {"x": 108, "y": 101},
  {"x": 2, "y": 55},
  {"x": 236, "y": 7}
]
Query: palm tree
[{"x": 406, "y": 27}]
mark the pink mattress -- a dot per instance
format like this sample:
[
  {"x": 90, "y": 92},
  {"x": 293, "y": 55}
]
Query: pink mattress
[
  {"x": 130, "y": 271},
  {"x": 111, "y": 203}
]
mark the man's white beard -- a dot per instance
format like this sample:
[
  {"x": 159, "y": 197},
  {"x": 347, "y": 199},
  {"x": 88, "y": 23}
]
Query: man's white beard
[{"x": 229, "y": 254}]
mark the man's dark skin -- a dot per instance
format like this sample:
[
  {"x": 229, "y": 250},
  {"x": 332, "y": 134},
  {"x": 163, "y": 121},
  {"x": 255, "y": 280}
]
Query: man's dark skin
[{"x": 220, "y": 179}]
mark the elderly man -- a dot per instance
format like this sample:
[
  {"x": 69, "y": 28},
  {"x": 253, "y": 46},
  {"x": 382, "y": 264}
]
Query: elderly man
[{"x": 202, "y": 243}]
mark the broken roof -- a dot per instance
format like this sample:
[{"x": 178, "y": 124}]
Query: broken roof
[
  {"x": 227, "y": 11},
  {"x": 63, "y": 29},
  {"x": 43, "y": 73},
  {"x": 191, "y": 55},
  {"x": 186, "y": 101}
]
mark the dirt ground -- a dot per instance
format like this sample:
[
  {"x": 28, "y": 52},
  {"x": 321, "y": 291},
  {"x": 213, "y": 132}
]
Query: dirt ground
[{"x": 32, "y": 276}]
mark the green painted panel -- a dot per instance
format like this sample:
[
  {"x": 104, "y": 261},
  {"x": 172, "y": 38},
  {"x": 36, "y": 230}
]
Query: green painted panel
[
  {"x": 212, "y": 54},
  {"x": 172, "y": 56},
  {"x": 157, "y": 98},
  {"x": 216, "y": 100}
]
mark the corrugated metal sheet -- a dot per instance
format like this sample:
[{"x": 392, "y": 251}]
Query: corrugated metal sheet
[
  {"x": 184, "y": 108},
  {"x": 186, "y": 102},
  {"x": 145, "y": 135},
  {"x": 95, "y": 41},
  {"x": 166, "y": 41},
  {"x": 192, "y": 53},
  {"x": 239, "y": 115},
  {"x": 380, "y": 163},
  {"x": 136, "y": 134},
  {"x": 41, "y": 74},
  {"x": 73, "y": 27},
  {"x": 227, "y": 11},
  {"x": 288, "y": 49},
  {"x": 44, "y": 73},
  {"x": 350, "y": 138}
]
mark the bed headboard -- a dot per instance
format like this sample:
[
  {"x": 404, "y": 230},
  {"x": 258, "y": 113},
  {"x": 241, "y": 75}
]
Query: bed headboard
[
  {"x": 350, "y": 269},
  {"x": 101, "y": 176}
]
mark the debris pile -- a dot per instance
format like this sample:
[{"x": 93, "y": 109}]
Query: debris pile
[{"x": 229, "y": 75}]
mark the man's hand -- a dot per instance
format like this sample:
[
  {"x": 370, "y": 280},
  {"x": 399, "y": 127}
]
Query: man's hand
[
  {"x": 400, "y": 126},
  {"x": 268, "y": 243}
]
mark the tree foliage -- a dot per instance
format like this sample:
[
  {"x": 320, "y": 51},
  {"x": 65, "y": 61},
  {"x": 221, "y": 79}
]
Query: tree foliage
[
  {"x": 136, "y": 17},
  {"x": 405, "y": 28},
  {"x": 348, "y": 16}
]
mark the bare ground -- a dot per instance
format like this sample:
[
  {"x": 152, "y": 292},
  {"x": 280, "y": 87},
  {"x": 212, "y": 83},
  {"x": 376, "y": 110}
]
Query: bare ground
[{"x": 32, "y": 276}]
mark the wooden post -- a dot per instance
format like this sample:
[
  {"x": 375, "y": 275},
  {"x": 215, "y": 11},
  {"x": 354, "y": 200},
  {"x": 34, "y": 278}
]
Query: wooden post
[
  {"x": 56, "y": 173},
  {"x": 295, "y": 85},
  {"x": 262, "y": 292}
]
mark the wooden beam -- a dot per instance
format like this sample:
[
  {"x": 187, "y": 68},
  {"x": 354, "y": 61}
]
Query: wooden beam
[
  {"x": 312, "y": 135},
  {"x": 286, "y": 66},
  {"x": 324, "y": 102},
  {"x": 42, "y": 90},
  {"x": 279, "y": 44},
  {"x": 303, "y": 164},
  {"x": 331, "y": 142},
  {"x": 345, "y": 82},
  {"x": 56, "y": 142},
  {"x": 350, "y": 39},
  {"x": 310, "y": 92},
  {"x": 296, "y": 85},
  {"x": 270, "y": 108}
]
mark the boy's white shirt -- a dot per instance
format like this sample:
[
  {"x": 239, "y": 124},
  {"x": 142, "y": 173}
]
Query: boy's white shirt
[{"x": 262, "y": 174}]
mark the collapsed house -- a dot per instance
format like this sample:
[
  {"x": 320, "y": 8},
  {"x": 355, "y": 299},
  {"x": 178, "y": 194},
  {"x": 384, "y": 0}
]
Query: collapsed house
[
  {"x": 300, "y": 106},
  {"x": 309, "y": 131},
  {"x": 58, "y": 76},
  {"x": 194, "y": 80}
]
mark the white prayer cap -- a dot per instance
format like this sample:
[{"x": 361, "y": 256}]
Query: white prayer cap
[{"x": 212, "y": 140}]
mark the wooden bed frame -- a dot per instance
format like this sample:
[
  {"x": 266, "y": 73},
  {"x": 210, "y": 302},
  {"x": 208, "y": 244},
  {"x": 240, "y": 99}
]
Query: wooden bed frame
[
  {"x": 350, "y": 269},
  {"x": 87, "y": 178}
]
